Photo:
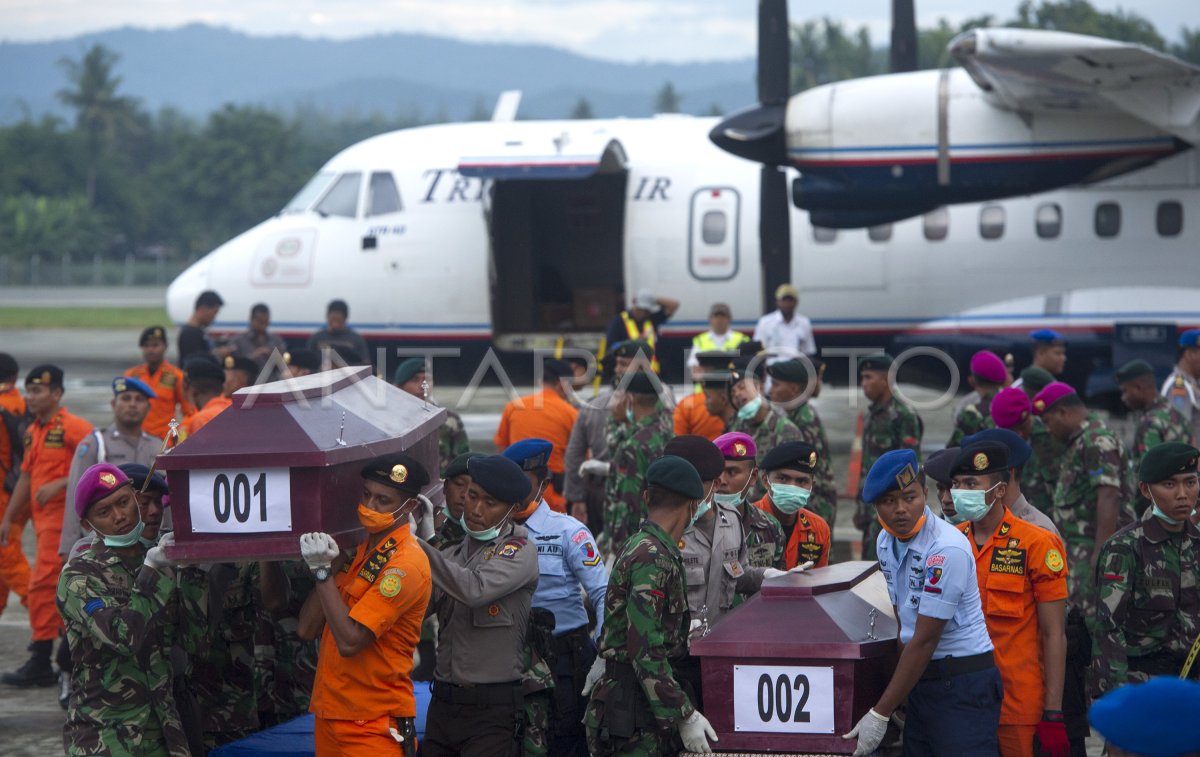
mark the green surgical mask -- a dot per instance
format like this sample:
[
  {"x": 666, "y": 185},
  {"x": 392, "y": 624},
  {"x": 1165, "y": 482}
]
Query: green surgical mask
[
  {"x": 750, "y": 409},
  {"x": 789, "y": 499},
  {"x": 123, "y": 540},
  {"x": 488, "y": 534},
  {"x": 1158, "y": 513},
  {"x": 971, "y": 504}
]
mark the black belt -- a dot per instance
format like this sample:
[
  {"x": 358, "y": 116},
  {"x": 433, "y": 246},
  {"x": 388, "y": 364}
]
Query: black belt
[
  {"x": 948, "y": 667},
  {"x": 479, "y": 693}
]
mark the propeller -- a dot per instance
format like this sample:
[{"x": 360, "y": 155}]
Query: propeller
[{"x": 903, "y": 54}]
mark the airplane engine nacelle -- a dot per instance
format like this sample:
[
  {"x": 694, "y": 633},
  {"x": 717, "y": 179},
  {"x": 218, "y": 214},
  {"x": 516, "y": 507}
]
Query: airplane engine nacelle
[{"x": 931, "y": 138}]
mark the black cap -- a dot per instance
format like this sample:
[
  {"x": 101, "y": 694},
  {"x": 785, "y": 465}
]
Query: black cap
[
  {"x": 792, "y": 371},
  {"x": 638, "y": 382},
  {"x": 398, "y": 471},
  {"x": 1167, "y": 459},
  {"x": 499, "y": 477},
  {"x": 1019, "y": 450},
  {"x": 880, "y": 361},
  {"x": 199, "y": 368},
  {"x": 795, "y": 455},
  {"x": 980, "y": 458},
  {"x": 631, "y": 347},
  {"x": 49, "y": 375},
  {"x": 939, "y": 465},
  {"x": 8, "y": 367},
  {"x": 558, "y": 369},
  {"x": 747, "y": 366},
  {"x": 1133, "y": 369},
  {"x": 458, "y": 465},
  {"x": 700, "y": 452},
  {"x": 676, "y": 475},
  {"x": 243, "y": 364},
  {"x": 152, "y": 332}
]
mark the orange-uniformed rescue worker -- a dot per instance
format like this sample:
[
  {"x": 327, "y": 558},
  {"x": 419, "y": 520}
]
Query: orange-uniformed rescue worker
[
  {"x": 165, "y": 379},
  {"x": 1023, "y": 589},
  {"x": 14, "y": 568},
  {"x": 50, "y": 444},
  {"x": 788, "y": 473},
  {"x": 369, "y": 619},
  {"x": 548, "y": 415},
  {"x": 205, "y": 384}
]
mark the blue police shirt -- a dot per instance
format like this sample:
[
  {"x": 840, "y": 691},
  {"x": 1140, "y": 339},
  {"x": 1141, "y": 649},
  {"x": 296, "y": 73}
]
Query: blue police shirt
[
  {"x": 567, "y": 558},
  {"x": 934, "y": 576}
]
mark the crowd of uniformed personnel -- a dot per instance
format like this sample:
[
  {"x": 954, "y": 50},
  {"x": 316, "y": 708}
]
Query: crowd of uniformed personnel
[{"x": 568, "y": 575}]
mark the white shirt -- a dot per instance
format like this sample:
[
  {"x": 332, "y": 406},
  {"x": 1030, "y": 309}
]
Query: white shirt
[{"x": 786, "y": 339}]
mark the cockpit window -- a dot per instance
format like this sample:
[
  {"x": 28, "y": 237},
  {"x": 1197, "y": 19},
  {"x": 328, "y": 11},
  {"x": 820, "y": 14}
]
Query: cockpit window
[
  {"x": 315, "y": 187},
  {"x": 342, "y": 199},
  {"x": 384, "y": 197}
]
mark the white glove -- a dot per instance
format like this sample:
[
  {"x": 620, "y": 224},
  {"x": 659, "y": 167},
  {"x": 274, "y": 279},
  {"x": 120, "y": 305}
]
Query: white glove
[
  {"x": 318, "y": 550},
  {"x": 869, "y": 731},
  {"x": 774, "y": 573},
  {"x": 696, "y": 733},
  {"x": 593, "y": 468},
  {"x": 156, "y": 556},
  {"x": 801, "y": 567},
  {"x": 593, "y": 675}
]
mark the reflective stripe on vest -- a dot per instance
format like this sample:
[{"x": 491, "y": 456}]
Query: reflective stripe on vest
[{"x": 647, "y": 335}]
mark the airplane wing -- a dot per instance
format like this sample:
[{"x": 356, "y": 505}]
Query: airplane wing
[{"x": 1037, "y": 71}]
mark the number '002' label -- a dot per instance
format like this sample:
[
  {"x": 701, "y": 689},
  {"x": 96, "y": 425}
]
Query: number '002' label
[
  {"x": 240, "y": 501},
  {"x": 782, "y": 699}
]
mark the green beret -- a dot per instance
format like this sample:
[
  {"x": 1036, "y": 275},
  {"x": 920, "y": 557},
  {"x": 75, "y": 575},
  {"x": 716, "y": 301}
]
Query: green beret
[
  {"x": 880, "y": 361},
  {"x": 1034, "y": 380},
  {"x": 631, "y": 347},
  {"x": 638, "y": 382},
  {"x": 792, "y": 371},
  {"x": 1167, "y": 459},
  {"x": 407, "y": 369},
  {"x": 458, "y": 465},
  {"x": 1133, "y": 369},
  {"x": 677, "y": 475}
]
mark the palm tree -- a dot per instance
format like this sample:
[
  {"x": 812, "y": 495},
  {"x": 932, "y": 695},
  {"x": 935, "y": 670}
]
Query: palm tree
[{"x": 99, "y": 111}]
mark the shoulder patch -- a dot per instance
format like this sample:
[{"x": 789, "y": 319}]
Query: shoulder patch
[
  {"x": 510, "y": 548},
  {"x": 1054, "y": 560},
  {"x": 580, "y": 537},
  {"x": 93, "y": 605},
  {"x": 591, "y": 556},
  {"x": 935, "y": 560},
  {"x": 81, "y": 450},
  {"x": 389, "y": 585}
]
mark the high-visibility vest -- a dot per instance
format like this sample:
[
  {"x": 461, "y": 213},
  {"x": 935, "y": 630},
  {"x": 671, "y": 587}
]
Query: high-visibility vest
[
  {"x": 705, "y": 343},
  {"x": 646, "y": 334}
]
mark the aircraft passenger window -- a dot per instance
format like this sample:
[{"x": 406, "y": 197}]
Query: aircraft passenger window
[
  {"x": 1169, "y": 219},
  {"x": 880, "y": 233},
  {"x": 991, "y": 222},
  {"x": 1108, "y": 219},
  {"x": 824, "y": 235},
  {"x": 1048, "y": 220},
  {"x": 384, "y": 197},
  {"x": 937, "y": 224},
  {"x": 311, "y": 191},
  {"x": 342, "y": 200},
  {"x": 713, "y": 226}
]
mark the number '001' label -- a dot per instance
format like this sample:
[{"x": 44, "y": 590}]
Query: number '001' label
[
  {"x": 240, "y": 501},
  {"x": 782, "y": 699}
]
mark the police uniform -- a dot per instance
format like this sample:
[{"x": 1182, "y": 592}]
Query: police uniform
[
  {"x": 482, "y": 596},
  {"x": 1181, "y": 388},
  {"x": 955, "y": 707},
  {"x": 106, "y": 445}
]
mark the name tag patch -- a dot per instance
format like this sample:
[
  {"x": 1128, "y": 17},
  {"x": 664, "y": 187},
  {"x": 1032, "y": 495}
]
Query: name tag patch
[{"x": 1008, "y": 560}]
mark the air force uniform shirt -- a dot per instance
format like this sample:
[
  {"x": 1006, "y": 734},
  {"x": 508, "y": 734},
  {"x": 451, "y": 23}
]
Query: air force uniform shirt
[
  {"x": 933, "y": 574},
  {"x": 567, "y": 558}
]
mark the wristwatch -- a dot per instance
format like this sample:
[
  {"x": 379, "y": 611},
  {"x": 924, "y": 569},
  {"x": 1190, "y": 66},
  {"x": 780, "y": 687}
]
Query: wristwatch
[{"x": 321, "y": 574}]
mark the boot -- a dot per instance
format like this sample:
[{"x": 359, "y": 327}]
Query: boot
[{"x": 37, "y": 671}]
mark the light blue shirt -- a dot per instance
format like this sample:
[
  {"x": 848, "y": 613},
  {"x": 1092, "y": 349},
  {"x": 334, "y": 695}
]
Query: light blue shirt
[
  {"x": 567, "y": 559},
  {"x": 935, "y": 577}
]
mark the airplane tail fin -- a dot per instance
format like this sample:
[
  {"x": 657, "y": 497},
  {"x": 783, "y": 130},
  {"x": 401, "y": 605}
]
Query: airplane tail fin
[{"x": 507, "y": 105}]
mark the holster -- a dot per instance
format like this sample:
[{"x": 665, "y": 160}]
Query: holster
[
  {"x": 626, "y": 709},
  {"x": 540, "y": 633},
  {"x": 408, "y": 736}
]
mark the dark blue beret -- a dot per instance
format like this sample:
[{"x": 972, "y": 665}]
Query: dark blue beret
[
  {"x": 893, "y": 470},
  {"x": 530, "y": 454},
  {"x": 137, "y": 474},
  {"x": 700, "y": 452},
  {"x": 1190, "y": 338},
  {"x": 500, "y": 477},
  {"x": 1046, "y": 336},
  {"x": 677, "y": 475},
  {"x": 1150, "y": 718},
  {"x": 938, "y": 466},
  {"x": 123, "y": 384},
  {"x": 1018, "y": 449}
]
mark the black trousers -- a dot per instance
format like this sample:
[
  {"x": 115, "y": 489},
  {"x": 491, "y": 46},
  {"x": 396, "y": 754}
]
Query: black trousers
[{"x": 471, "y": 730}]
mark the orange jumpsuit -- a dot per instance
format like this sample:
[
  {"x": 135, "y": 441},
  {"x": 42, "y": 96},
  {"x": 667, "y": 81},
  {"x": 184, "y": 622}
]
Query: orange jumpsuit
[
  {"x": 355, "y": 699},
  {"x": 200, "y": 418},
  {"x": 809, "y": 538},
  {"x": 48, "y": 451},
  {"x": 542, "y": 415},
  {"x": 1019, "y": 567},
  {"x": 14, "y": 567},
  {"x": 167, "y": 383},
  {"x": 692, "y": 417}
]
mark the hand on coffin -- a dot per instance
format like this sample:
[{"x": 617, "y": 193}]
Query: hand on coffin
[
  {"x": 869, "y": 731},
  {"x": 597, "y": 468},
  {"x": 156, "y": 556},
  {"x": 696, "y": 733},
  {"x": 318, "y": 550}
]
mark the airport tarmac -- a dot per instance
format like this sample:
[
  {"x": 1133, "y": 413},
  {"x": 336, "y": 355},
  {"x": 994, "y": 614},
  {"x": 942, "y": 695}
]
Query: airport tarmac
[{"x": 31, "y": 720}]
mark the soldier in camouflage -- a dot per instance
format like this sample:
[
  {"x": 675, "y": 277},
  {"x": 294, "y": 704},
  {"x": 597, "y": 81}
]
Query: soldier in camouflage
[
  {"x": 754, "y": 415},
  {"x": 790, "y": 389},
  {"x": 889, "y": 424},
  {"x": 1157, "y": 419},
  {"x": 284, "y": 664},
  {"x": 638, "y": 430},
  {"x": 456, "y": 482},
  {"x": 1092, "y": 488},
  {"x": 988, "y": 376},
  {"x": 638, "y": 706},
  {"x": 763, "y": 534},
  {"x": 222, "y": 673},
  {"x": 411, "y": 376},
  {"x": 116, "y": 600},
  {"x": 1148, "y": 615}
]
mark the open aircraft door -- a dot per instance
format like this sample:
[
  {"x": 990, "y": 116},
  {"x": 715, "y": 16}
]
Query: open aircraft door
[{"x": 555, "y": 209}]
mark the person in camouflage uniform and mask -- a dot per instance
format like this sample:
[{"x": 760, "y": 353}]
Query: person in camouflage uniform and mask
[
  {"x": 638, "y": 429},
  {"x": 1158, "y": 420},
  {"x": 284, "y": 664},
  {"x": 1092, "y": 486},
  {"x": 637, "y": 704},
  {"x": 889, "y": 424},
  {"x": 1148, "y": 614},
  {"x": 456, "y": 481},
  {"x": 988, "y": 376},
  {"x": 754, "y": 415},
  {"x": 763, "y": 534},
  {"x": 790, "y": 390},
  {"x": 116, "y": 600},
  {"x": 222, "y": 674},
  {"x": 411, "y": 376}
]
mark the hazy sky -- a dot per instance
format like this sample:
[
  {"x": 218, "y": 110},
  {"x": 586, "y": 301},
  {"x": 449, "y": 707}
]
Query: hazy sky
[{"x": 674, "y": 30}]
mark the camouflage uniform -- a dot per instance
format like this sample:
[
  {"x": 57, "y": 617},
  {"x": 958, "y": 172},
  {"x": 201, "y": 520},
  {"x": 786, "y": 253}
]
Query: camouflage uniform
[
  {"x": 1159, "y": 423},
  {"x": 775, "y": 429},
  {"x": 448, "y": 535},
  {"x": 1148, "y": 615},
  {"x": 889, "y": 425},
  {"x": 631, "y": 447},
  {"x": 645, "y": 634},
  {"x": 972, "y": 419},
  {"x": 537, "y": 686},
  {"x": 1039, "y": 475},
  {"x": 222, "y": 673},
  {"x": 1094, "y": 457},
  {"x": 284, "y": 664},
  {"x": 765, "y": 540},
  {"x": 824, "y": 497},
  {"x": 452, "y": 439},
  {"x": 119, "y": 616}
]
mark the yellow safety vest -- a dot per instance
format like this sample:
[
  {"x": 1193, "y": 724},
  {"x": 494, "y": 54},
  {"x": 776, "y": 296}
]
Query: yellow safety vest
[
  {"x": 705, "y": 343},
  {"x": 647, "y": 335}
]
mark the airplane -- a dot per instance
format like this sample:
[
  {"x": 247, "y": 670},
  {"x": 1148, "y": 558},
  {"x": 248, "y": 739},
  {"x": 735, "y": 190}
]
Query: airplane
[{"x": 1048, "y": 182}]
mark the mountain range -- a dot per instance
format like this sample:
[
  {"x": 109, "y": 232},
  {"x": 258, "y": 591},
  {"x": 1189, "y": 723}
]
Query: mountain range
[{"x": 198, "y": 68}]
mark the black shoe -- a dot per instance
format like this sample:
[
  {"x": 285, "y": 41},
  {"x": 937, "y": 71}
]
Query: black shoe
[{"x": 35, "y": 672}]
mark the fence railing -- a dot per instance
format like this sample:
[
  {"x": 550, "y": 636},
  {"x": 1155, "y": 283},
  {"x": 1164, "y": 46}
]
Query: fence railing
[{"x": 65, "y": 270}]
